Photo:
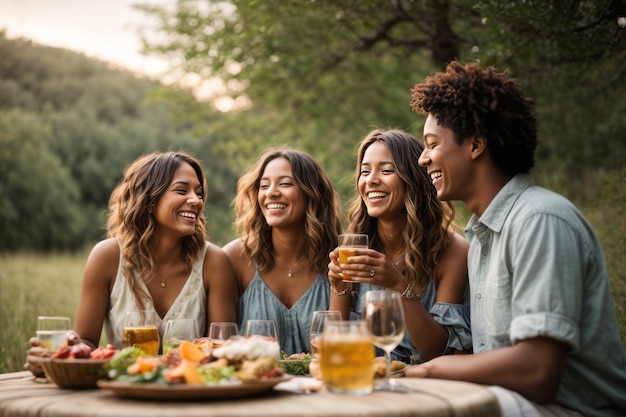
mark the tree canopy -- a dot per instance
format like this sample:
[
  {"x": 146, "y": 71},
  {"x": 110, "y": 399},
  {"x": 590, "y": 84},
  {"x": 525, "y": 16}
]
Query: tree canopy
[
  {"x": 70, "y": 126},
  {"x": 320, "y": 74}
]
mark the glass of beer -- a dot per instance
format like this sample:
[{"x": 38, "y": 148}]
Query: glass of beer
[
  {"x": 52, "y": 331},
  {"x": 221, "y": 331},
  {"x": 140, "y": 330},
  {"x": 349, "y": 244},
  {"x": 346, "y": 357},
  {"x": 178, "y": 330}
]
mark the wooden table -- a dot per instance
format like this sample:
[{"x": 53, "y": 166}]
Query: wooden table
[{"x": 22, "y": 396}]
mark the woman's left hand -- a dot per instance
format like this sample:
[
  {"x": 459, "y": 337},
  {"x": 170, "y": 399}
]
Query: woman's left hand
[{"x": 372, "y": 267}]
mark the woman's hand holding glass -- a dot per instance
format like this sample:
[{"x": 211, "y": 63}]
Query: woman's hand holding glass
[{"x": 52, "y": 332}]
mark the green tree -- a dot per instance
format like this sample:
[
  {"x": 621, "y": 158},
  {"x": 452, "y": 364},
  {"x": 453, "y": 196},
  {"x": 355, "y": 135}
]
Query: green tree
[
  {"x": 321, "y": 74},
  {"x": 88, "y": 123},
  {"x": 39, "y": 203}
]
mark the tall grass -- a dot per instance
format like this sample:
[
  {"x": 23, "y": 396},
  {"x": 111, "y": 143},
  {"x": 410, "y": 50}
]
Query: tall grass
[{"x": 32, "y": 285}]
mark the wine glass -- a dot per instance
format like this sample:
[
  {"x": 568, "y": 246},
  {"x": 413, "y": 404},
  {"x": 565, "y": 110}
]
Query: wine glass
[
  {"x": 265, "y": 328},
  {"x": 221, "y": 331},
  {"x": 384, "y": 319},
  {"x": 178, "y": 330},
  {"x": 318, "y": 321}
]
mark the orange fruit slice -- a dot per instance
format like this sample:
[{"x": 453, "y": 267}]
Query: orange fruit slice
[{"x": 191, "y": 352}]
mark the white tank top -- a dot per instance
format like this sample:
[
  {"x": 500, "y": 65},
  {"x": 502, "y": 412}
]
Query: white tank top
[{"x": 191, "y": 303}]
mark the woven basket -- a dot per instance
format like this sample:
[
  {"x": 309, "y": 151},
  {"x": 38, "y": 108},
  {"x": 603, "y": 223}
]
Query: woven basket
[{"x": 74, "y": 373}]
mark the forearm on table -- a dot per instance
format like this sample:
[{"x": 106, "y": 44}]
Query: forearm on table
[{"x": 524, "y": 369}]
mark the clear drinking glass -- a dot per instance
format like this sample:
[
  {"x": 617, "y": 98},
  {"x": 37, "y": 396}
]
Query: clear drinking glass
[
  {"x": 346, "y": 357},
  {"x": 178, "y": 330},
  {"x": 140, "y": 330},
  {"x": 349, "y": 243},
  {"x": 52, "y": 331},
  {"x": 221, "y": 331},
  {"x": 265, "y": 329},
  {"x": 318, "y": 321},
  {"x": 384, "y": 319}
]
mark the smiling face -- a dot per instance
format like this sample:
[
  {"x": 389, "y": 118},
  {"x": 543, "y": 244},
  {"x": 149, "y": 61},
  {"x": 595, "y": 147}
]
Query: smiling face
[
  {"x": 280, "y": 198},
  {"x": 381, "y": 188},
  {"x": 447, "y": 162},
  {"x": 180, "y": 205}
]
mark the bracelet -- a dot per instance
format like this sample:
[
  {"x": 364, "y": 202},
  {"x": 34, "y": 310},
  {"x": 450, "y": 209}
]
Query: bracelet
[
  {"x": 408, "y": 293},
  {"x": 339, "y": 293}
]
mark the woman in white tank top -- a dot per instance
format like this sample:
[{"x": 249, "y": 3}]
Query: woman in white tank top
[{"x": 155, "y": 256}]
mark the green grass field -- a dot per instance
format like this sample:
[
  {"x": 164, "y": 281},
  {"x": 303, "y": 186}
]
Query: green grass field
[
  {"x": 49, "y": 284},
  {"x": 34, "y": 285}
]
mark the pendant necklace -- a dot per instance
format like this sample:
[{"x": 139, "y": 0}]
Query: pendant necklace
[
  {"x": 163, "y": 281},
  {"x": 397, "y": 264},
  {"x": 293, "y": 268},
  {"x": 289, "y": 273}
]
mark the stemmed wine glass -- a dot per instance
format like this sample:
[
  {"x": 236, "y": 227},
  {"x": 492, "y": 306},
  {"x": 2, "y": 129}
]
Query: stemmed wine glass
[
  {"x": 220, "y": 332},
  {"x": 384, "y": 319},
  {"x": 265, "y": 329},
  {"x": 318, "y": 321}
]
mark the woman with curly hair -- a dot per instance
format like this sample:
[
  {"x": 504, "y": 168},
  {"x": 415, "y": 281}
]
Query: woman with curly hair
[
  {"x": 414, "y": 248},
  {"x": 544, "y": 329},
  {"x": 289, "y": 218},
  {"x": 155, "y": 256}
]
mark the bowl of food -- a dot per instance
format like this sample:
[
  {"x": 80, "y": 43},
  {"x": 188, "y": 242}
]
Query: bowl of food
[
  {"x": 80, "y": 373},
  {"x": 297, "y": 364}
]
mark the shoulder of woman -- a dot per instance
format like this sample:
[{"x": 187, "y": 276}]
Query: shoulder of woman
[
  {"x": 107, "y": 250},
  {"x": 215, "y": 255},
  {"x": 234, "y": 250},
  {"x": 103, "y": 260},
  {"x": 453, "y": 262}
]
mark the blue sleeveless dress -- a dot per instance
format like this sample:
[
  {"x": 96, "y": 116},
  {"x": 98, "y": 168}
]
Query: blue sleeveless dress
[{"x": 258, "y": 302}]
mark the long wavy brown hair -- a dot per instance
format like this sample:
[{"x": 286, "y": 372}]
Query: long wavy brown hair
[
  {"x": 130, "y": 221},
  {"x": 428, "y": 222},
  {"x": 323, "y": 212}
]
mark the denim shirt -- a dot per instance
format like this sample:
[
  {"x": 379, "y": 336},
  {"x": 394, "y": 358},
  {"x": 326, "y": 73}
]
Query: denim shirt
[{"x": 536, "y": 268}]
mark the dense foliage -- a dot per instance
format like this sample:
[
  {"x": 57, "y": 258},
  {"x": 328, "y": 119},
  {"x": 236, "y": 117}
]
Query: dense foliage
[
  {"x": 320, "y": 74},
  {"x": 69, "y": 127}
]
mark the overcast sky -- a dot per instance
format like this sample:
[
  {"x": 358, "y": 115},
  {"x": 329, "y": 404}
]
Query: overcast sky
[{"x": 103, "y": 29}]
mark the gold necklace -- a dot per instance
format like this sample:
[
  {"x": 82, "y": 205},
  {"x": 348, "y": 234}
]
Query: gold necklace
[
  {"x": 163, "y": 281},
  {"x": 397, "y": 264},
  {"x": 290, "y": 272}
]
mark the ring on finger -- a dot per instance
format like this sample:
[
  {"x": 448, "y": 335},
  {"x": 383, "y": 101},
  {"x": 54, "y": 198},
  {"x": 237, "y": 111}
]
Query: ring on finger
[{"x": 372, "y": 273}]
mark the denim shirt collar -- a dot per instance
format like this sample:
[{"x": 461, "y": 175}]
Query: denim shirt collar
[{"x": 499, "y": 208}]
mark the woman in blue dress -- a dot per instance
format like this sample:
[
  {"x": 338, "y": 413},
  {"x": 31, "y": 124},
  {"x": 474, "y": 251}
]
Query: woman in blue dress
[
  {"x": 289, "y": 219},
  {"x": 414, "y": 248}
]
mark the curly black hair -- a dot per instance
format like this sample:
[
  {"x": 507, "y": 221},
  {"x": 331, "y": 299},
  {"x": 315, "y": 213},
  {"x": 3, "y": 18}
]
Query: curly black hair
[{"x": 472, "y": 101}]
